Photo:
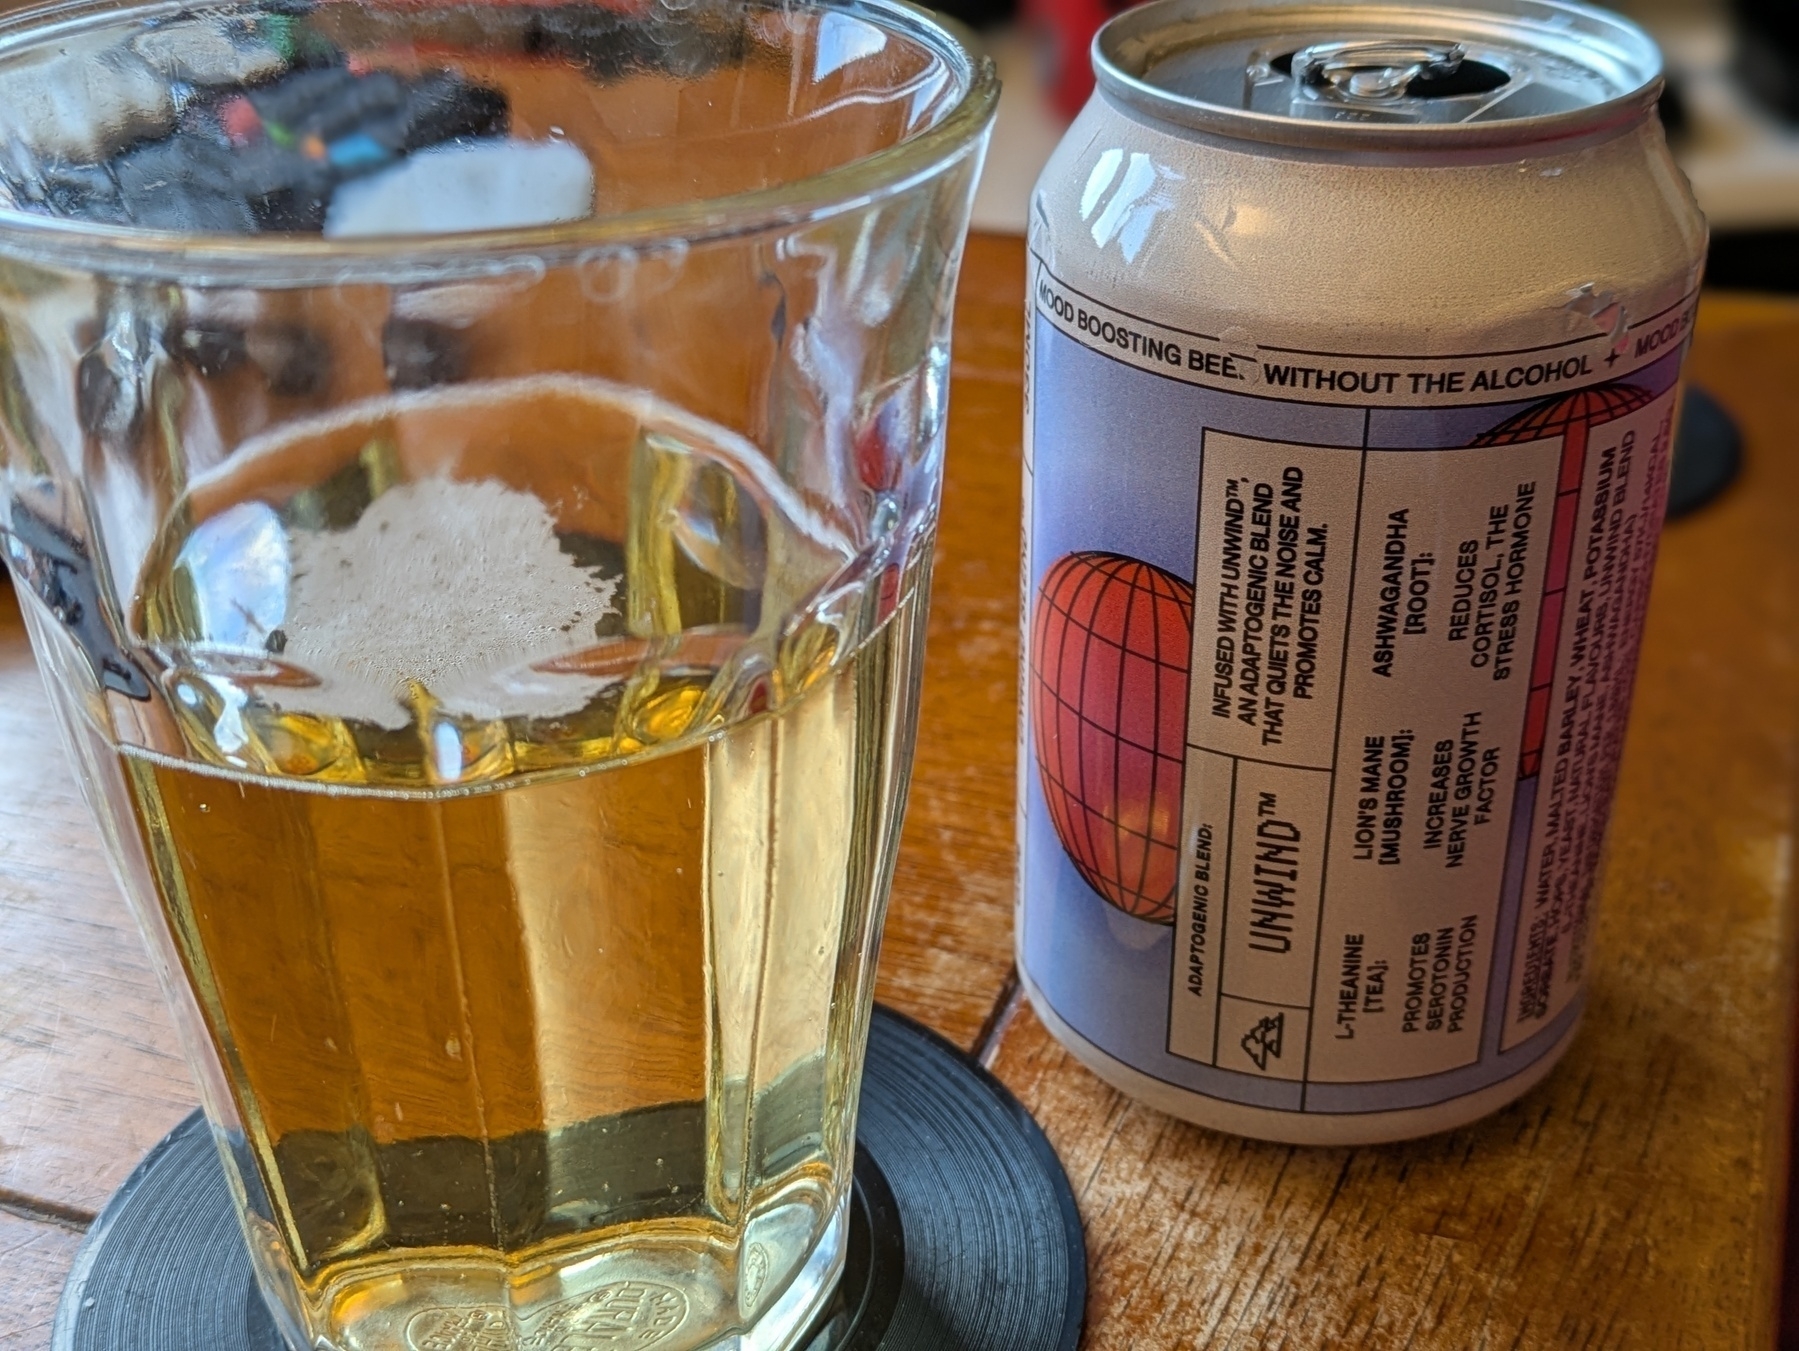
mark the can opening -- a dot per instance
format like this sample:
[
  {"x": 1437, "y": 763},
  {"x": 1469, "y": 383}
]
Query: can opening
[
  {"x": 1316, "y": 72},
  {"x": 1378, "y": 78},
  {"x": 1426, "y": 71}
]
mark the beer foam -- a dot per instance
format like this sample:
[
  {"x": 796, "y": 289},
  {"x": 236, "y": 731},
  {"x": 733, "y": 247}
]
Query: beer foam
[{"x": 459, "y": 586}]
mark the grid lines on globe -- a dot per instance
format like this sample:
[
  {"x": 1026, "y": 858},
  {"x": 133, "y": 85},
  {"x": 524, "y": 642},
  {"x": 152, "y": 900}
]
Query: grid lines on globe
[{"x": 1110, "y": 647}]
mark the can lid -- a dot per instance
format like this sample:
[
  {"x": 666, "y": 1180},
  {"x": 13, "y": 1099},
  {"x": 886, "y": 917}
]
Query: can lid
[{"x": 1371, "y": 73}]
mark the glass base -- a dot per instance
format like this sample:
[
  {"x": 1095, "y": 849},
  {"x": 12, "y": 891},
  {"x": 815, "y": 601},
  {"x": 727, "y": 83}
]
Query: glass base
[
  {"x": 166, "y": 1268},
  {"x": 673, "y": 1295},
  {"x": 793, "y": 1313}
]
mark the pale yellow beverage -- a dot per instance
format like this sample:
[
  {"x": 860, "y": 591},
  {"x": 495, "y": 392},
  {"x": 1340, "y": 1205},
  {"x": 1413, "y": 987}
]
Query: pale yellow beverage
[{"x": 521, "y": 823}]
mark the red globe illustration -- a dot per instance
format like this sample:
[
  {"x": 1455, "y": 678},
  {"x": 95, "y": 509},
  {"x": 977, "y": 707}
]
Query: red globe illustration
[
  {"x": 1567, "y": 413},
  {"x": 1111, "y": 641}
]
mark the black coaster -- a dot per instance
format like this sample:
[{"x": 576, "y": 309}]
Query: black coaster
[
  {"x": 963, "y": 1232},
  {"x": 1708, "y": 451}
]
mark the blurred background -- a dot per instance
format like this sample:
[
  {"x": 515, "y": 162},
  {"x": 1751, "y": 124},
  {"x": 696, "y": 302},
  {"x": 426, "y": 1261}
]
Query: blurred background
[
  {"x": 1732, "y": 113},
  {"x": 1731, "y": 109}
]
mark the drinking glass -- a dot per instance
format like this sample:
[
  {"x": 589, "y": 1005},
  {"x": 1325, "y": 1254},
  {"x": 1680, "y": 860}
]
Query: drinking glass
[{"x": 469, "y": 474}]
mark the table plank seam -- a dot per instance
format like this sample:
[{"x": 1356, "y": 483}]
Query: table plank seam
[
  {"x": 993, "y": 1026},
  {"x": 37, "y": 1209}
]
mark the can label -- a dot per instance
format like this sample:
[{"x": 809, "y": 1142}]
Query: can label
[{"x": 1328, "y": 663}]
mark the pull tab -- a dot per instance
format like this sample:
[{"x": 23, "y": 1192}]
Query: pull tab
[{"x": 1377, "y": 70}]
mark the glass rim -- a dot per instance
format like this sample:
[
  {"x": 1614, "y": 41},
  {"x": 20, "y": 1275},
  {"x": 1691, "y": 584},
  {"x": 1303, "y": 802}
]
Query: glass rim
[{"x": 275, "y": 259}]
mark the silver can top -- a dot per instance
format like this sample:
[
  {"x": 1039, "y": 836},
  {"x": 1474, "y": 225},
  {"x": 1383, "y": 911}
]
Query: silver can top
[{"x": 1368, "y": 74}]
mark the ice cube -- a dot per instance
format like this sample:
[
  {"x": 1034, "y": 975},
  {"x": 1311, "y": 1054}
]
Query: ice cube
[{"x": 477, "y": 185}]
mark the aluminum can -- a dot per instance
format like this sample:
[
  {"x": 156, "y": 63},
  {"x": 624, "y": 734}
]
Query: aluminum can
[{"x": 1351, "y": 384}]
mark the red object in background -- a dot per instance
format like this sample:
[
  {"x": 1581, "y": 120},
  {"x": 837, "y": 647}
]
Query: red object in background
[
  {"x": 238, "y": 117},
  {"x": 1071, "y": 24},
  {"x": 1111, "y": 642}
]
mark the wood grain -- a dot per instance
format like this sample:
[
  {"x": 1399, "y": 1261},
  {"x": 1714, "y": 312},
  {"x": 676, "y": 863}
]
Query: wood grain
[
  {"x": 34, "y": 1260},
  {"x": 948, "y": 946},
  {"x": 1635, "y": 1199},
  {"x": 90, "y": 1072}
]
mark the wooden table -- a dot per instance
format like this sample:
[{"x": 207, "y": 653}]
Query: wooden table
[{"x": 1633, "y": 1201}]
